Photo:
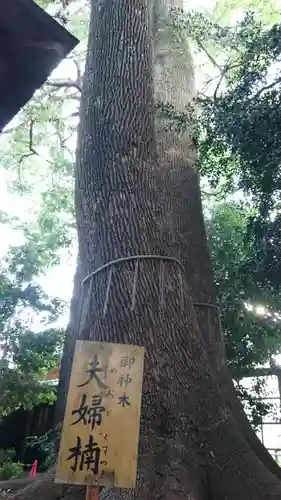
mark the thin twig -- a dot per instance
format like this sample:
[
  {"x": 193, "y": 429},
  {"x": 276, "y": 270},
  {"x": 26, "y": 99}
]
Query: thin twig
[
  {"x": 225, "y": 70},
  {"x": 217, "y": 193},
  {"x": 207, "y": 83},
  {"x": 64, "y": 84},
  {"x": 219, "y": 84},
  {"x": 79, "y": 73},
  {"x": 32, "y": 150},
  {"x": 200, "y": 44},
  {"x": 270, "y": 86}
]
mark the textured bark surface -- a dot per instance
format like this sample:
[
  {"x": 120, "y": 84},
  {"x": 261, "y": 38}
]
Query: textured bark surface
[
  {"x": 71, "y": 336},
  {"x": 174, "y": 85},
  {"x": 128, "y": 202}
]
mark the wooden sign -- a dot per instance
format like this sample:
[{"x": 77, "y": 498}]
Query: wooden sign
[{"x": 99, "y": 442}]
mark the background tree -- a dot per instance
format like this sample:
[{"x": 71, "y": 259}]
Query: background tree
[
  {"x": 26, "y": 355},
  {"x": 251, "y": 338},
  {"x": 251, "y": 332}
]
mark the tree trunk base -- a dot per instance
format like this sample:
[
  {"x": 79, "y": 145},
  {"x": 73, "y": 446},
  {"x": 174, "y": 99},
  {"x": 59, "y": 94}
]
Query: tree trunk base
[{"x": 46, "y": 488}]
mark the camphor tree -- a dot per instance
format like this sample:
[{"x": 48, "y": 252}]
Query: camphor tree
[
  {"x": 137, "y": 193},
  {"x": 40, "y": 153}
]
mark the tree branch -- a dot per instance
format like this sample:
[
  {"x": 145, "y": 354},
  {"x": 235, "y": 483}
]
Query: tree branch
[
  {"x": 222, "y": 70},
  {"x": 261, "y": 372},
  {"x": 270, "y": 86},
  {"x": 223, "y": 73},
  {"x": 32, "y": 150},
  {"x": 227, "y": 67},
  {"x": 65, "y": 84},
  {"x": 79, "y": 77},
  {"x": 213, "y": 61},
  {"x": 215, "y": 193}
]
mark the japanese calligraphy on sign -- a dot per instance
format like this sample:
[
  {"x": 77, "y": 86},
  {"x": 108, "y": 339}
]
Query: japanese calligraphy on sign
[{"x": 99, "y": 442}]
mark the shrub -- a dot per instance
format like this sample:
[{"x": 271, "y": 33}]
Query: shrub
[{"x": 9, "y": 468}]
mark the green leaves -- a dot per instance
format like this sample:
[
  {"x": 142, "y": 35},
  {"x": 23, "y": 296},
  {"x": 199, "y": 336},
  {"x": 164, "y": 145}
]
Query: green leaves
[
  {"x": 243, "y": 284},
  {"x": 9, "y": 468},
  {"x": 38, "y": 353},
  {"x": 25, "y": 355},
  {"x": 239, "y": 127},
  {"x": 28, "y": 356},
  {"x": 19, "y": 389}
]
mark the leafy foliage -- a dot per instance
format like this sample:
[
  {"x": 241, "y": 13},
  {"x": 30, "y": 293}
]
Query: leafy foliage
[
  {"x": 255, "y": 407},
  {"x": 47, "y": 444},
  {"x": 239, "y": 129},
  {"x": 240, "y": 120},
  {"x": 26, "y": 355},
  {"x": 9, "y": 468},
  {"x": 251, "y": 338}
]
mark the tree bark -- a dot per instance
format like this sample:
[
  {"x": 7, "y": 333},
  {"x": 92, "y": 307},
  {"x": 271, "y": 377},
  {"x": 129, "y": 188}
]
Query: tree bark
[
  {"x": 71, "y": 335},
  {"x": 174, "y": 85},
  {"x": 190, "y": 443}
]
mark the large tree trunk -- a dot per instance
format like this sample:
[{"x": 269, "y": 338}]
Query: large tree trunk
[
  {"x": 174, "y": 85},
  {"x": 190, "y": 443},
  {"x": 72, "y": 333}
]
